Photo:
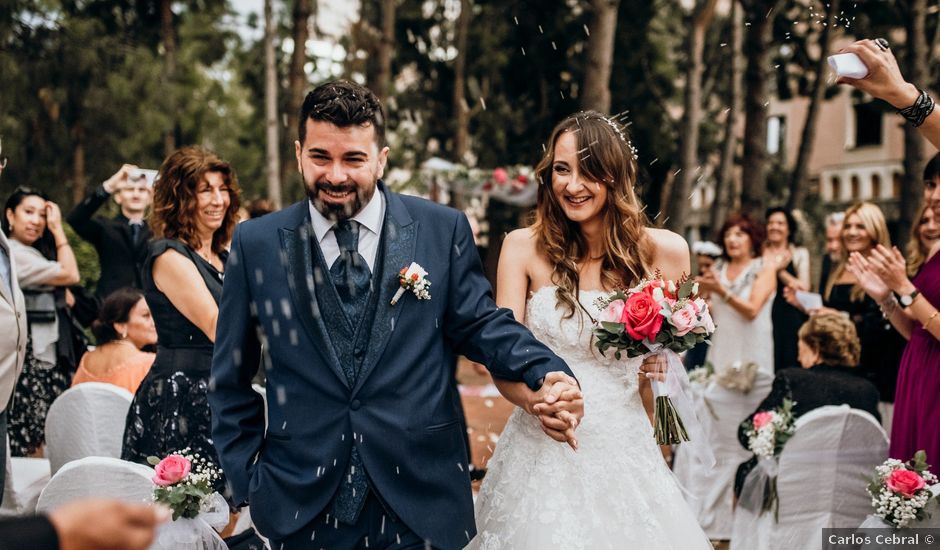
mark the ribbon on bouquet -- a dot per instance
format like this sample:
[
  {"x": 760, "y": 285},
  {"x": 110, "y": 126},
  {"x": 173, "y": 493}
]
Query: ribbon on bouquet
[
  {"x": 199, "y": 532},
  {"x": 675, "y": 419}
]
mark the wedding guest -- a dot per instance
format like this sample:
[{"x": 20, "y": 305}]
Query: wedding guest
[
  {"x": 833, "y": 246},
  {"x": 911, "y": 306},
  {"x": 706, "y": 254},
  {"x": 121, "y": 241},
  {"x": 828, "y": 352},
  {"x": 884, "y": 81},
  {"x": 13, "y": 340},
  {"x": 123, "y": 328},
  {"x": 792, "y": 265},
  {"x": 741, "y": 285},
  {"x": 45, "y": 264},
  {"x": 925, "y": 236},
  {"x": 196, "y": 198}
]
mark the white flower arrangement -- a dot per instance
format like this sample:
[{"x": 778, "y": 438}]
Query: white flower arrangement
[
  {"x": 184, "y": 481},
  {"x": 899, "y": 491},
  {"x": 415, "y": 279}
]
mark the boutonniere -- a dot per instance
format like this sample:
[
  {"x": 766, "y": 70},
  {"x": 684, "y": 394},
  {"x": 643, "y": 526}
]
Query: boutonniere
[{"x": 415, "y": 279}]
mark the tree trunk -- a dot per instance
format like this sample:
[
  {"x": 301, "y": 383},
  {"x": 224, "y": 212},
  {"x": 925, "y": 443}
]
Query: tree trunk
[
  {"x": 798, "y": 179},
  {"x": 78, "y": 163},
  {"x": 461, "y": 109},
  {"x": 168, "y": 36},
  {"x": 757, "y": 39},
  {"x": 914, "y": 154},
  {"x": 678, "y": 207},
  {"x": 381, "y": 45},
  {"x": 296, "y": 87},
  {"x": 272, "y": 158},
  {"x": 600, "y": 55},
  {"x": 727, "y": 193}
]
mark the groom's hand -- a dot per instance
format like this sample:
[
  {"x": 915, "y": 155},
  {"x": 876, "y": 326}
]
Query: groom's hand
[{"x": 559, "y": 406}]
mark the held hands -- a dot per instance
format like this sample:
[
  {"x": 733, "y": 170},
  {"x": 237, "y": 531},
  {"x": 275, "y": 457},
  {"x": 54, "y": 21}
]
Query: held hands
[{"x": 559, "y": 406}]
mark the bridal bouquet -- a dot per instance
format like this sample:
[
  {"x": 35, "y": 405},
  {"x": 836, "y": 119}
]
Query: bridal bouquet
[
  {"x": 767, "y": 432},
  {"x": 184, "y": 482},
  {"x": 899, "y": 491},
  {"x": 657, "y": 316}
]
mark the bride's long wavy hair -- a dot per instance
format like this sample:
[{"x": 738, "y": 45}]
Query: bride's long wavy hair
[{"x": 607, "y": 159}]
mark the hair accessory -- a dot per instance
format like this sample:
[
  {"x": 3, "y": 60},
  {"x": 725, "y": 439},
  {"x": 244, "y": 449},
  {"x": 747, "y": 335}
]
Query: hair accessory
[
  {"x": 619, "y": 131},
  {"x": 706, "y": 248}
]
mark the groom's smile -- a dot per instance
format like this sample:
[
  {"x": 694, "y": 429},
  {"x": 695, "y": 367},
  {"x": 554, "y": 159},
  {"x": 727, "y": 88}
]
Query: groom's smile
[{"x": 340, "y": 166}]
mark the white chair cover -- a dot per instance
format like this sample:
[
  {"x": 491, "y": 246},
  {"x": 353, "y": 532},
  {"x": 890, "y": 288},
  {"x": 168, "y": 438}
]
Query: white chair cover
[
  {"x": 710, "y": 490},
  {"x": 25, "y": 479},
  {"x": 104, "y": 477},
  {"x": 821, "y": 483},
  {"x": 86, "y": 420}
]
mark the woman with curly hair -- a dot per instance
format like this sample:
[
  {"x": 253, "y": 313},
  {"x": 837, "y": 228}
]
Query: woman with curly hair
[
  {"x": 194, "y": 214},
  {"x": 589, "y": 238}
]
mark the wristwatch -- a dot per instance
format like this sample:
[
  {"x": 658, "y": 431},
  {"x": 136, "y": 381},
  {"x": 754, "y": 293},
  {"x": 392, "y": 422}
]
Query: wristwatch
[{"x": 908, "y": 299}]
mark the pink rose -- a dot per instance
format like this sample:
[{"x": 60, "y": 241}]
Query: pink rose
[
  {"x": 762, "y": 418},
  {"x": 170, "y": 470},
  {"x": 905, "y": 482},
  {"x": 613, "y": 313},
  {"x": 641, "y": 317},
  {"x": 500, "y": 176},
  {"x": 706, "y": 323},
  {"x": 684, "y": 320}
]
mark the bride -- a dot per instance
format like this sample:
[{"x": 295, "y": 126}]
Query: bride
[{"x": 614, "y": 490}]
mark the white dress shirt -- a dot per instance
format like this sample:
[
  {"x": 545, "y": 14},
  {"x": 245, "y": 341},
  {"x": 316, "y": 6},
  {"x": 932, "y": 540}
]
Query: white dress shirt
[{"x": 370, "y": 218}]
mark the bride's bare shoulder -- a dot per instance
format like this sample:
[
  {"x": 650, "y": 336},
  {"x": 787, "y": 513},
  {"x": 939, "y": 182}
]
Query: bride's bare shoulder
[
  {"x": 670, "y": 252},
  {"x": 520, "y": 241}
]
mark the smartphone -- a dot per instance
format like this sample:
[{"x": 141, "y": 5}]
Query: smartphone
[{"x": 141, "y": 173}]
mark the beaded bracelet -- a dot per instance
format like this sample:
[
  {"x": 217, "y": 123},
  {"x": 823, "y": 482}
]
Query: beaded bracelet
[{"x": 920, "y": 110}]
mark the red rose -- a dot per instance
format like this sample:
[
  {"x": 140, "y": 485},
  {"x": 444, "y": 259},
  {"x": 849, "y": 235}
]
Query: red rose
[
  {"x": 905, "y": 482},
  {"x": 641, "y": 317}
]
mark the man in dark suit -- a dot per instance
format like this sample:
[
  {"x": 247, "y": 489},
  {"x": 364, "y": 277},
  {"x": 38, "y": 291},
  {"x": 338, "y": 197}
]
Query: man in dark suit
[
  {"x": 121, "y": 241},
  {"x": 364, "y": 445}
]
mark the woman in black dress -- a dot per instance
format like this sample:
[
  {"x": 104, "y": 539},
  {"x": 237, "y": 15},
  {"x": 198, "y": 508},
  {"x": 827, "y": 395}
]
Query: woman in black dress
[
  {"x": 194, "y": 216},
  {"x": 792, "y": 263}
]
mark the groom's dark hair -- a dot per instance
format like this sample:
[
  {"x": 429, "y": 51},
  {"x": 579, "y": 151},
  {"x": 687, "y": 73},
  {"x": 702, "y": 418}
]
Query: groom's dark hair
[{"x": 344, "y": 104}]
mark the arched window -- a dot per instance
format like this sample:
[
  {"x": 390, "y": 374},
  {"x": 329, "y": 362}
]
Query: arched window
[
  {"x": 856, "y": 188},
  {"x": 836, "y": 188},
  {"x": 896, "y": 185},
  {"x": 875, "y": 186}
]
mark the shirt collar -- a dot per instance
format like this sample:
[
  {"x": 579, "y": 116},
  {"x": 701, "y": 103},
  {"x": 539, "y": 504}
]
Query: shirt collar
[{"x": 370, "y": 217}]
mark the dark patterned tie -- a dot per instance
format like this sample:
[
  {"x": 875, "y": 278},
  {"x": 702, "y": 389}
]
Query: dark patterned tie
[{"x": 351, "y": 276}]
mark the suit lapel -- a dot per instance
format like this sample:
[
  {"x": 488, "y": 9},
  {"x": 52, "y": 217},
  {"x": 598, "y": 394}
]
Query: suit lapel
[
  {"x": 301, "y": 279},
  {"x": 399, "y": 232},
  {"x": 5, "y": 292}
]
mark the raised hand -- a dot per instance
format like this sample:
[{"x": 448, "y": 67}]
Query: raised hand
[
  {"x": 870, "y": 282},
  {"x": 890, "y": 266},
  {"x": 119, "y": 179}
]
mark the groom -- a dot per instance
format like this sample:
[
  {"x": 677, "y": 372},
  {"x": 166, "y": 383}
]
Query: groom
[{"x": 363, "y": 445}]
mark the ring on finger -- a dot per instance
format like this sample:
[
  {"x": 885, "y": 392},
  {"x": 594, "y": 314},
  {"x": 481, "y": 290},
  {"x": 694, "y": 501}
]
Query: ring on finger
[{"x": 882, "y": 44}]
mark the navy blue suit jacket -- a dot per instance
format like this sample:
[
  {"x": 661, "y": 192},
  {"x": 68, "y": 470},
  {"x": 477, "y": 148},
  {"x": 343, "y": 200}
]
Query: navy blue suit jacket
[{"x": 401, "y": 412}]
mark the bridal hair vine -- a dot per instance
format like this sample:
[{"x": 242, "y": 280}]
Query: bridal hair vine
[{"x": 619, "y": 131}]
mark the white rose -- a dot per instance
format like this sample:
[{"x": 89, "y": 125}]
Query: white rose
[{"x": 413, "y": 269}]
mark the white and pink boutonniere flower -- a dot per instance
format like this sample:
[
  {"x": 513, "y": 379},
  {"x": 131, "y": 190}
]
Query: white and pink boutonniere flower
[{"x": 415, "y": 279}]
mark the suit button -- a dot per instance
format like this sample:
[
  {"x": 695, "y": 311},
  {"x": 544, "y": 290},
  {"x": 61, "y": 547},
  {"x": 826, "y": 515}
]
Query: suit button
[{"x": 355, "y": 405}]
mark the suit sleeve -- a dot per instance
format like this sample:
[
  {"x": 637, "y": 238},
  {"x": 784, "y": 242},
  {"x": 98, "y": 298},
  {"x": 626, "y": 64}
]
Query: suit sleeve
[
  {"x": 237, "y": 409},
  {"x": 485, "y": 333},
  {"x": 35, "y": 533},
  {"x": 80, "y": 218}
]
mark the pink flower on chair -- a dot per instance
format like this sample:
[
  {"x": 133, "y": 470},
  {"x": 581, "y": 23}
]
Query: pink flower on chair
[
  {"x": 171, "y": 470},
  {"x": 905, "y": 482},
  {"x": 762, "y": 418}
]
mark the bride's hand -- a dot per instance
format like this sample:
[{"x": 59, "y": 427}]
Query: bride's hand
[
  {"x": 559, "y": 406},
  {"x": 654, "y": 367}
]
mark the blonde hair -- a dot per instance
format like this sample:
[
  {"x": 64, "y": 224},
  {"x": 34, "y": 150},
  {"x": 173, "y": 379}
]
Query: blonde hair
[
  {"x": 916, "y": 253},
  {"x": 873, "y": 219},
  {"x": 609, "y": 161},
  {"x": 833, "y": 337}
]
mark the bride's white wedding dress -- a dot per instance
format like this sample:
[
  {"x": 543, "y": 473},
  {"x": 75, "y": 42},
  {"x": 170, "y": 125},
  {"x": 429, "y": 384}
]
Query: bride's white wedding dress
[{"x": 614, "y": 492}]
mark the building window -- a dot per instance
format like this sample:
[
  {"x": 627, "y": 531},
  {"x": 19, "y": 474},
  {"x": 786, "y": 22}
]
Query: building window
[
  {"x": 868, "y": 118},
  {"x": 856, "y": 188},
  {"x": 896, "y": 185},
  {"x": 776, "y": 134},
  {"x": 836, "y": 188},
  {"x": 875, "y": 186}
]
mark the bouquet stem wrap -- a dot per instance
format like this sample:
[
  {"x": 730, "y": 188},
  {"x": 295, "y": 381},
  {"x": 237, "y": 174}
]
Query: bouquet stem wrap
[{"x": 674, "y": 418}]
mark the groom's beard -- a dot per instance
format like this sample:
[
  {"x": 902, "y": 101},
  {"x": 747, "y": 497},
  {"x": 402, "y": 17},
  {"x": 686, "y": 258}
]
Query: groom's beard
[{"x": 332, "y": 211}]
